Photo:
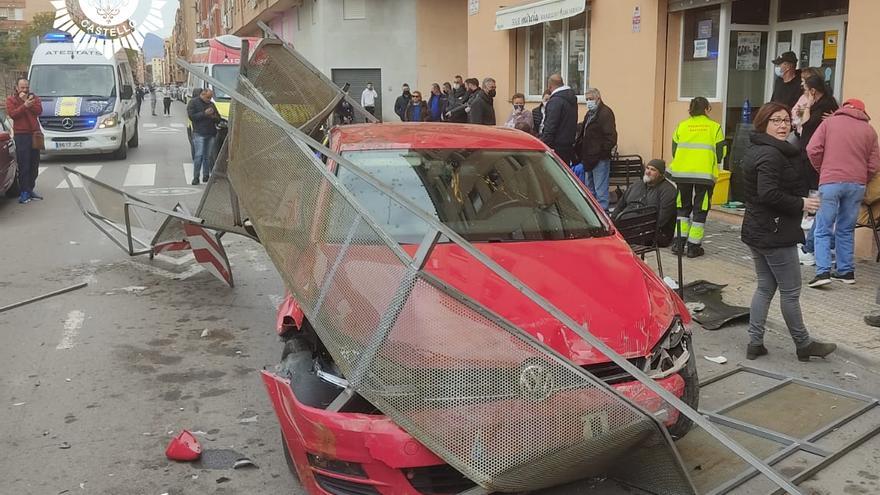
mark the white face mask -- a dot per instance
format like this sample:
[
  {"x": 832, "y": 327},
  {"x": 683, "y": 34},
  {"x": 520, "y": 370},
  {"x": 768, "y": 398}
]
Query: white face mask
[
  {"x": 592, "y": 104},
  {"x": 778, "y": 71},
  {"x": 456, "y": 86}
]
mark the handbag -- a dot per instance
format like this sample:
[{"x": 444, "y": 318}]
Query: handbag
[{"x": 38, "y": 141}]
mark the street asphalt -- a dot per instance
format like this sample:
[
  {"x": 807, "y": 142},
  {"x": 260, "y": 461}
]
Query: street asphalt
[{"x": 94, "y": 382}]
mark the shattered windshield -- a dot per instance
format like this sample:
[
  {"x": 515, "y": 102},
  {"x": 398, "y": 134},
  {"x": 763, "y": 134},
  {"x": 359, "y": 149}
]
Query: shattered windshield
[{"x": 483, "y": 195}]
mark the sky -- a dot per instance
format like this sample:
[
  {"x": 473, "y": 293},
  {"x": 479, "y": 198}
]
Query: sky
[{"x": 168, "y": 12}]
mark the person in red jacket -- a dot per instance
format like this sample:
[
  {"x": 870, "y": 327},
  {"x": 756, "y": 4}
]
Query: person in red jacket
[
  {"x": 24, "y": 108},
  {"x": 845, "y": 152}
]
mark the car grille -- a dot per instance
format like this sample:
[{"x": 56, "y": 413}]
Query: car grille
[
  {"x": 77, "y": 123},
  {"x": 344, "y": 487},
  {"x": 435, "y": 480},
  {"x": 611, "y": 373}
]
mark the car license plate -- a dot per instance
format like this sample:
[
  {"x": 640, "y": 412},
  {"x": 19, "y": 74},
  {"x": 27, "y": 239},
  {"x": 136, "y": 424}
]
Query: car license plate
[{"x": 68, "y": 144}]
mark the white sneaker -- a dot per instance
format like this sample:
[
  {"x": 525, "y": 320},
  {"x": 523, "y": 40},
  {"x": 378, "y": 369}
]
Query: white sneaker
[{"x": 806, "y": 259}]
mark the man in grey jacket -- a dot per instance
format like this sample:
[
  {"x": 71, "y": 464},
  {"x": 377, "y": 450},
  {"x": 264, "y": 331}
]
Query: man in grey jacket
[{"x": 653, "y": 190}]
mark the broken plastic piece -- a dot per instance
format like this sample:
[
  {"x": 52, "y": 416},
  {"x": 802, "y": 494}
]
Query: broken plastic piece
[
  {"x": 184, "y": 447},
  {"x": 716, "y": 359},
  {"x": 244, "y": 462}
]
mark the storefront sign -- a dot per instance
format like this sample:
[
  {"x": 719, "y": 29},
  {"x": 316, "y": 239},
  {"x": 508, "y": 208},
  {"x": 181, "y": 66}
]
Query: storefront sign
[
  {"x": 473, "y": 7},
  {"x": 701, "y": 48},
  {"x": 830, "y": 45},
  {"x": 537, "y": 12},
  {"x": 637, "y": 19},
  {"x": 704, "y": 29},
  {"x": 748, "y": 50}
]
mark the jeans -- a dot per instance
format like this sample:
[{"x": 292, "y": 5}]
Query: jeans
[
  {"x": 166, "y": 102},
  {"x": 28, "y": 161},
  {"x": 153, "y": 105},
  {"x": 202, "y": 146},
  {"x": 777, "y": 268},
  {"x": 837, "y": 218},
  {"x": 597, "y": 181}
]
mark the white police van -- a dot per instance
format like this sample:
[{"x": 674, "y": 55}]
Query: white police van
[{"x": 88, "y": 99}]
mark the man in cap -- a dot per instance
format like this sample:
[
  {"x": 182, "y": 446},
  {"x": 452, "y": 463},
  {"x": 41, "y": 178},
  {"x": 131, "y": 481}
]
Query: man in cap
[
  {"x": 845, "y": 152},
  {"x": 787, "y": 85},
  {"x": 652, "y": 191}
]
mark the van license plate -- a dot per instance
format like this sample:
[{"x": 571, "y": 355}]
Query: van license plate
[{"x": 68, "y": 144}]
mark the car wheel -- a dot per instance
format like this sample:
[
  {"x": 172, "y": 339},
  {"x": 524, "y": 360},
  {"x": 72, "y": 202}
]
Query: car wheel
[
  {"x": 133, "y": 142},
  {"x": 122, "y": 152},
  {"x": 14, "y": 188},
  {"x": 691, "y": 396}
]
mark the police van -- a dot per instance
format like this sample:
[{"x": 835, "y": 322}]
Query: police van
[{"x": 88, "y": 99}]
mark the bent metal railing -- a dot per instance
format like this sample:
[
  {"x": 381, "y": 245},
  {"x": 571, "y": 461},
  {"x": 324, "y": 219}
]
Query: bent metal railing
[{"x": 487, "y": 397}]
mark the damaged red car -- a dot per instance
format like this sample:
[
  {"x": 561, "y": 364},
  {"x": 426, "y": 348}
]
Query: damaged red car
[{"x": 518, "y": 203}]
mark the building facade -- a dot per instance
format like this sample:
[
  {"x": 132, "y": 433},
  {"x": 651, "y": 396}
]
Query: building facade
[
  {"x": 12, "y": 17},
  {"x": 157, "y": 70},
  {"x": 33, "y": 7}
]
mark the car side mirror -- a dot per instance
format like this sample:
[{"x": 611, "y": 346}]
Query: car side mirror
[
  {"x": 4, "y": 136},
  {"x": 126, "y": 92}
]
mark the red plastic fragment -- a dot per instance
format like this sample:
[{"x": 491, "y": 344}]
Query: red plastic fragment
[{"x": 184, "y": 447}]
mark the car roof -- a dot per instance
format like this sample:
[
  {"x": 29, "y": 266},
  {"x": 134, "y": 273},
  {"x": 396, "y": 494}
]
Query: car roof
[{"x": 428, "y": 135}]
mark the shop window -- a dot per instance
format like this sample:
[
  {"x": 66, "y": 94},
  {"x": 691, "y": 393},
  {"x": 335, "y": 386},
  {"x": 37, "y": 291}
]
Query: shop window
[
  {"x": 792, "y": 10},
  {"x": 699, "y": 61},
  {"x": 558, "y": 47},
  {"x": 750, "y": 12}
]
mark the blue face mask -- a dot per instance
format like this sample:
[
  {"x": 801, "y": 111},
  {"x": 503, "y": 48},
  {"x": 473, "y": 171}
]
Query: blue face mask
[{"x": 592, "y": 105}]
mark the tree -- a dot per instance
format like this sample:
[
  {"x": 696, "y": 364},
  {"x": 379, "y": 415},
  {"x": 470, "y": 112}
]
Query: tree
[{"x": 16, "y": 49}]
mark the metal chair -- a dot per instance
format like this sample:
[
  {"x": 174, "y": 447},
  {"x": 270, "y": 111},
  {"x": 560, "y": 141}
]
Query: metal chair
[
  {"x": 872, "y": 224},
  {"x": 639, "y": 229}
]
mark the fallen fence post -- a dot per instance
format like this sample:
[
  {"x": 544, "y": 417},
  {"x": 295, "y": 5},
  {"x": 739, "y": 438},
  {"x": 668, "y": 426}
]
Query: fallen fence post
[{"x": 44, "y": 296}]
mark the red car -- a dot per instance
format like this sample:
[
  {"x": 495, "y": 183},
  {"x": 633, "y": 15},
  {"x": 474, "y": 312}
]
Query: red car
[
  {"x": 8, "y": 164},
  {"x": 519, "y": 204}
]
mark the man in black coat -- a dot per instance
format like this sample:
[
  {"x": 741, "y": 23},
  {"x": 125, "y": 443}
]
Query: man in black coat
[
  {"x": 481, "y": 108},
  {"x": 597, "y": 138},
  {"x": 458, "y": 97},
  {"x": 204, "y": 117},
  {"x": 652, "y": 191},
  {"x": 560, "y": 119},
  {"x": 402, "y": 101}
]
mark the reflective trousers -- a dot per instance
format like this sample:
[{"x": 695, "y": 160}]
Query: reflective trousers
[{"x": 693, "y": 205}]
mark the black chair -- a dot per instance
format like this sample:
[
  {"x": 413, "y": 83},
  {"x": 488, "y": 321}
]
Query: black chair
[
  {"x": 623, "y": 171},
  {"x": 639, "y": 228},
  {"x": 872, "y": 224}
]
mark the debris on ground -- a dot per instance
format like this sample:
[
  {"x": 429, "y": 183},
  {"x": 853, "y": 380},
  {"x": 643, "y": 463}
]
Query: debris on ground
[
  {"x": 184, "y": 447},
  {"x": 221, "y": 459},
  {"x": 222, "y": 479},
  {"x": 64, "y": 446},
  {"x": 205, "y": 333},
  {"x": 252, "y": 419},
  {"x": 850, "y": 375},
  {"x": 244, "y": 462},
  {"x": 716, "y": 359},
  {"x": 695, "y": 307}
]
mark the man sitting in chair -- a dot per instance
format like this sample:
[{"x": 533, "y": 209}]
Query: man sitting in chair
[{"x": 652, "y": 191}]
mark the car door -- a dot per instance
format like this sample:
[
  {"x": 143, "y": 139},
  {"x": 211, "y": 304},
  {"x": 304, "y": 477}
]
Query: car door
[{"x": 8, "y": 166}]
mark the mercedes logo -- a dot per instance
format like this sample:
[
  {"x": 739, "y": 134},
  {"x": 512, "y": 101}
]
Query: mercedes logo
[
  {"x": 536, "y": 381},
  {"x": 67, "y": 123}
]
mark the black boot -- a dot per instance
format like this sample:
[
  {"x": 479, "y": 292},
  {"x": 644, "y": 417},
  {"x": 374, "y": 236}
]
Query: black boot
[
  {"x": 694, "y": 250},
  {"x": 754, "y": 351},
  {"x": 817, "y": 349},
  {"x": 678, "y": 245},
  {"x": 873, "y": 319}
]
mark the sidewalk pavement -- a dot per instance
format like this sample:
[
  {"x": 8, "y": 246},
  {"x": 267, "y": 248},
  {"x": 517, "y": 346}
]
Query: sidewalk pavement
[{"x": 832, "y": 313}]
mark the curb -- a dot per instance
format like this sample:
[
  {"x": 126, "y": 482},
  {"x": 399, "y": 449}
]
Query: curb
[{"x": 844, "y": 351}]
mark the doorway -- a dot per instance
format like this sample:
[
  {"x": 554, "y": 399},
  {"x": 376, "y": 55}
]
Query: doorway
[
  {"x": 358, "y": 79},
  {"x": 817, "y": 43}
]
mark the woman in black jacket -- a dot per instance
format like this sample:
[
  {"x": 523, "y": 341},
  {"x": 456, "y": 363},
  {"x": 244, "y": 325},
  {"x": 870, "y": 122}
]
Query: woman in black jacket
[{"x": 775, "y": 193}]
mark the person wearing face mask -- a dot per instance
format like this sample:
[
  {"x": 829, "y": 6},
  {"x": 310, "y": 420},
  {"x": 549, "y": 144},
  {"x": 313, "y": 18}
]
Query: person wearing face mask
[
  {"x": 481, "y": 104},
  {"x": 402, "y": 101},
  {"x": 519, "y": 114},
  {"x": 596, "y": 140},
  {"x": 560, "y": 119},
  {"x": 697, "y": 151},
  {"x": 787, "y": 85},
  {"x": 776, "y": 197},
  {"x": 457, "y": 99},
  {"x": 538, "y": 114},
  {"x": 654, "y": 190}
]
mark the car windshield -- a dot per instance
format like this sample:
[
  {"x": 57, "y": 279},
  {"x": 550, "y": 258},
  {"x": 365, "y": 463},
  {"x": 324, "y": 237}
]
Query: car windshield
[
  {"x": 73, "y": 80},
  {"x": 228, "y": 76},
  {"x": 483, "y": 195}
]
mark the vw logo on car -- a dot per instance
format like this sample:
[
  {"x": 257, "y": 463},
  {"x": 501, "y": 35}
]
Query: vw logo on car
[{"x": 536, "y": 381}]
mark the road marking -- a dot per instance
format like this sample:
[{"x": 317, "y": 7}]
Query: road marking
[
  {"x": 41, "y": 170},
  {"x": 178, "y": 125},
  {"x": 72, "y": 324},
  {"x": 188, "y": 172},
  {"x": 140, "y": 174},
  {"x": 164, "y": 130},
  {"x": 149, "y": 126},
  {"x": 88, "y": 170}
]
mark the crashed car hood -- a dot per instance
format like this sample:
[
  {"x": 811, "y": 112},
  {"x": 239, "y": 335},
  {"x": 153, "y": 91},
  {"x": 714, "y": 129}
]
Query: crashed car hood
[{"x": 598, "y": 282}]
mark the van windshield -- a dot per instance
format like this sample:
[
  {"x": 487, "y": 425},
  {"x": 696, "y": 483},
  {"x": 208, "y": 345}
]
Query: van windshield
[
  {"x": 483, "y": 195},
  {"x": 228, "y": 76},
  {"x": 73, "y": 80}
]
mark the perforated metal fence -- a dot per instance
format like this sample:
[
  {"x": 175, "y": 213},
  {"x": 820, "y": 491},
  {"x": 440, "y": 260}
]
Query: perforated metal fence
[{"x": 482, "y": 394}]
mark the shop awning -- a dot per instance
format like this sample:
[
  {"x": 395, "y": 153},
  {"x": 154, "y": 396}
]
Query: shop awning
[{"x": 536, "y": 12}]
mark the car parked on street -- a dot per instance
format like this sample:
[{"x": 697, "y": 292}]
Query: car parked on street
[
  {"x": 510, "y": 196},
  {"x": 8, "y": 163}
]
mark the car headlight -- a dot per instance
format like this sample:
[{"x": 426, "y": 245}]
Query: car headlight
[
  {"x": 671, "y": 354},
  {"x": 109, "y": 120}
]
